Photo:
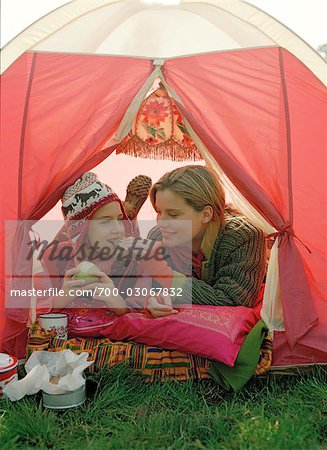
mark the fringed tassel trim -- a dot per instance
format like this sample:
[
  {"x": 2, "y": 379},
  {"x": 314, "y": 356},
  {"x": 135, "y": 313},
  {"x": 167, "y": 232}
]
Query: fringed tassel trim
[{"x": 170, "y": 149}]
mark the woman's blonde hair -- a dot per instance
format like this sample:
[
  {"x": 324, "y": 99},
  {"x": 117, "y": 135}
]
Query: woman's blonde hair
[{"x": 199, "y": 186}]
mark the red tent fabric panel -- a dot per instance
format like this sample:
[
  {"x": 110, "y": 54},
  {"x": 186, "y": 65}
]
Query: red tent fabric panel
[
  {"x": 242, "y": 104},
  {"x": 307, "y": 103},
  {"x": 58, "y": 112},
  {"x": 76, "y": 103},
  {"x": 307, "y": 99},
  {"x": 312, "y": 348},
  {"x": 237, "y": 96},
  {"x": 14, "y": 86}
]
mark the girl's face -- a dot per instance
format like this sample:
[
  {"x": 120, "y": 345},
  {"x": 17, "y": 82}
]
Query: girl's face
[
  {"x": 106, "y": 225},
  {"x": 180, "y": 223}
]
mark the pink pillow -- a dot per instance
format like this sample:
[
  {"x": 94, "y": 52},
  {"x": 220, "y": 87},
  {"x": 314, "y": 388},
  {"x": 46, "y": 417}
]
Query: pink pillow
[
  {"x": 89, "y": 318},
  {"x": 214, "y": 332}
]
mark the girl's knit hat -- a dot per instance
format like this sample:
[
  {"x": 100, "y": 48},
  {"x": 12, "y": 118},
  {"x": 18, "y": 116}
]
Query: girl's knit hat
[{"x": 83, "y": 198}]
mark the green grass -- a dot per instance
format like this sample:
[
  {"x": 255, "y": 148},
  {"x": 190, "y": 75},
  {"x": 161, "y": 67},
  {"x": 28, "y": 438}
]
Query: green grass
[{"x": 124, "y": 412}]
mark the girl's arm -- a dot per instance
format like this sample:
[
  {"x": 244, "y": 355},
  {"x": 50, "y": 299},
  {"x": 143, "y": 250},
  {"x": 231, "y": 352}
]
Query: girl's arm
[{"x": 47, "y": 302}]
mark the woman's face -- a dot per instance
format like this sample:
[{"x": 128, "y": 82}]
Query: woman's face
[
  {"x": 179, "y": 223},
  {"x": 106, "y": 225}
]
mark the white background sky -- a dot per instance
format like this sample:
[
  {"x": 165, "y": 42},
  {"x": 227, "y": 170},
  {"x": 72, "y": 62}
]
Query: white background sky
[{"x": 306, "y": 17}]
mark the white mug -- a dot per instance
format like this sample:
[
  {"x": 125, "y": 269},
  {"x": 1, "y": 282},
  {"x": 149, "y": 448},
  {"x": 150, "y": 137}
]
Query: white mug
[{"x": 57, "y": 322}]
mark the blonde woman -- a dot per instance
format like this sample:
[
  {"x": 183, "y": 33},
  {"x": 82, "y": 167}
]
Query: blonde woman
[{"x": 228, "y": 251}]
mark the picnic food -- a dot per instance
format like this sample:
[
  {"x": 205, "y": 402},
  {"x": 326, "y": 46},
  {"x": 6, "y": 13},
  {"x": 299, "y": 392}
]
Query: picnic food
[{"x": 55, "y": 379}]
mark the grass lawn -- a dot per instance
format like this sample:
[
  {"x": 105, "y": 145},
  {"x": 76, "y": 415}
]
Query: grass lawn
[{"x": 124, "y": 412}]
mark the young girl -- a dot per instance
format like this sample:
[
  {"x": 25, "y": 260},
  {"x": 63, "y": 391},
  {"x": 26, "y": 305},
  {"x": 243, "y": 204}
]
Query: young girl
[{"x": 95, "y": 222}]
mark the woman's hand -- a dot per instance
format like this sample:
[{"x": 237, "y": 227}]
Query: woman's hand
[
  {"x": 103, "y": 291},
  {"x": 158, "y": 309},
  {"x": 151, "y": 258}
]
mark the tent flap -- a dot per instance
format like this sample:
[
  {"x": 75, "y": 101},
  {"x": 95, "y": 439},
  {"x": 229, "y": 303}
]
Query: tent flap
[
  {"x": 245, "y": 107},
  {"x": 57, "y": 113}
]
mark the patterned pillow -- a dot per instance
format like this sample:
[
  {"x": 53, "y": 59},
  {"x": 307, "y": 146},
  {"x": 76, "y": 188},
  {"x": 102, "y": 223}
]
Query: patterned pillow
[{"x": 213, "y": 332}]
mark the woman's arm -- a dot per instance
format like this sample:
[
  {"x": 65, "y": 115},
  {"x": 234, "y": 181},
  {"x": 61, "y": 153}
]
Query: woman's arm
[
  {"x": 237, "y": 277},
  {"x": 237, "y": 282}
]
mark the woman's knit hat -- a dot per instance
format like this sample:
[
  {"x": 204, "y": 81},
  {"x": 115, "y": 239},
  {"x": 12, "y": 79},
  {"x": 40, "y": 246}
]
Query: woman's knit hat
[{"x": 83, "y": 198}]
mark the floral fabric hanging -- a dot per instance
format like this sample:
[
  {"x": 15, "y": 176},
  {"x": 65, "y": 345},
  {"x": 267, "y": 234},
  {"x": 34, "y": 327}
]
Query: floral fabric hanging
[{"x": 158, "y": 131}]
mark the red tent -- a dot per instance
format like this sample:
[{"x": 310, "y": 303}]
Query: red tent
[{"x": 259, "y": 114}]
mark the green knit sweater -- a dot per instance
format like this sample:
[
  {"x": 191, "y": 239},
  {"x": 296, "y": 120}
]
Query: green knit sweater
[{"x": 235, "y": 269}]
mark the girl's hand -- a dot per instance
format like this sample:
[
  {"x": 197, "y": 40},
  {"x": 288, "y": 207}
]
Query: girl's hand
[
  {"x": 70, "y": 283},
  {"x": 158, "y": 309},
  {"x": 106, "y": 293}
]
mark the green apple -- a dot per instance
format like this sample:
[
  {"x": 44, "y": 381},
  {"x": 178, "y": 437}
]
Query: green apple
[
  {"x": 85, "y": 268},
  {"x": 82, "y": 275}
]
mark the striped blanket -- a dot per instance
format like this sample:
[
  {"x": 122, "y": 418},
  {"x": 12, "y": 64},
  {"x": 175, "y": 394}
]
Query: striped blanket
[{"x": 152, "y": 362}]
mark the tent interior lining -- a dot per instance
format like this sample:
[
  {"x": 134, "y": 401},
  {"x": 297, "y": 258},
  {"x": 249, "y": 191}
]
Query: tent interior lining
[
  {"x": 177, "y": 24},
  {"x": 251, "y": 27}
]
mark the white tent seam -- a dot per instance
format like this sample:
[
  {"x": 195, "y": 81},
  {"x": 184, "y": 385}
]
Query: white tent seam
[{"x": 165, "y": 58}]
